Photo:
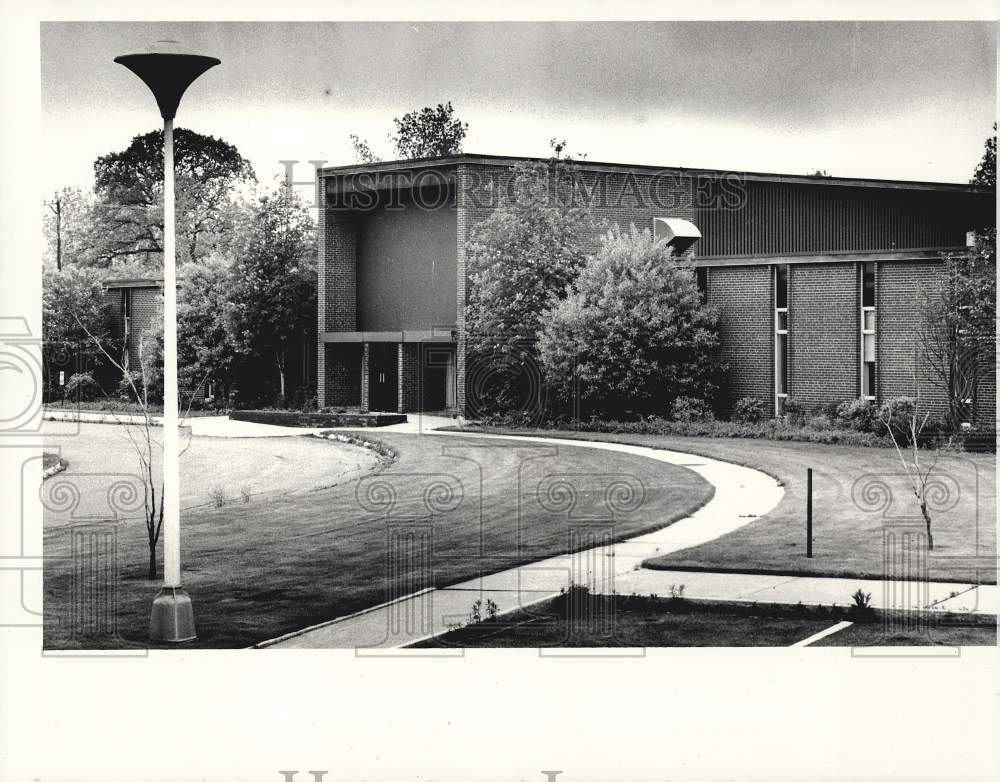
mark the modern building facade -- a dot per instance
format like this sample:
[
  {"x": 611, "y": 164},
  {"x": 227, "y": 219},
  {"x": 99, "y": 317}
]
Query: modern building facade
[
  {"x": 136, "y": 304},
  {"x": 817, "y": 279}
]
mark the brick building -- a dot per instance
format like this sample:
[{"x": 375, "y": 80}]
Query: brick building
[
  {"x": 817, "y": 279},
  {"x": 136, "y": 304}
]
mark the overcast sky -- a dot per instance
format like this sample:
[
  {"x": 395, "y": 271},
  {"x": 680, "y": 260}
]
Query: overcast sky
[{"x": 908, "y": 100}]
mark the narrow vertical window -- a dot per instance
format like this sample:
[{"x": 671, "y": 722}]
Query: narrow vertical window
[
  {"x": 701, "y": 273},
  {"x": 780, "y": 337},
  {"x": 868, "y": 381},
  {"x": 126, "y": 308}
]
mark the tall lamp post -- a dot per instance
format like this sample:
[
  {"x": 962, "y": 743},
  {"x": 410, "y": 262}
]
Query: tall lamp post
[{"x": 168, "y": 72}]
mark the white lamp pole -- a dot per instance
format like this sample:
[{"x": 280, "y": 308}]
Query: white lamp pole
[{"x": 168, "y": 72}]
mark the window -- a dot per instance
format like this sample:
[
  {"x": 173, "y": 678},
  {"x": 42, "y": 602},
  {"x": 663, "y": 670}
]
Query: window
[
  {"x": 126, "y": 308},
  {"x": 780, "y": 337},
  {"x": 868, "y": 384}
]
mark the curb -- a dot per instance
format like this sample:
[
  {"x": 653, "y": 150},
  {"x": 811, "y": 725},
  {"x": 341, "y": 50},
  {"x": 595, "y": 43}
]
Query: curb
[{"x": 100, "y": 418}]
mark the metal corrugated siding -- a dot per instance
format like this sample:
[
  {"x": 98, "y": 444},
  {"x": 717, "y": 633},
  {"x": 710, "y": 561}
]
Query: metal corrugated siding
[{"x": 782, "y": 218}]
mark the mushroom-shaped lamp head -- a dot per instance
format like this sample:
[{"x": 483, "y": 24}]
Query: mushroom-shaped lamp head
[{"x": 167, "y": 72}]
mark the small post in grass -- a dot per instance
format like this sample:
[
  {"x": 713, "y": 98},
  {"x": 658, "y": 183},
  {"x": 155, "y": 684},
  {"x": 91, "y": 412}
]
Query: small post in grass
[{"x": 809, "y": 512}]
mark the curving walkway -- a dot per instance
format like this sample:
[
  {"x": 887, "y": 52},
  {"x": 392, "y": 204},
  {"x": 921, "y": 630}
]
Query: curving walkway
[{"x": 741, "y": 495}]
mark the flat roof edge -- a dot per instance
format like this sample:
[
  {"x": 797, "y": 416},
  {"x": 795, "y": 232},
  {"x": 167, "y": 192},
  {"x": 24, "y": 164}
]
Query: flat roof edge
[{"x": 468, "y": 158}]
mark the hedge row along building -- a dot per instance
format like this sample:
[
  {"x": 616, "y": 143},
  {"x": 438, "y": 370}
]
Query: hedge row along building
[{"x": 817, "y": 279}]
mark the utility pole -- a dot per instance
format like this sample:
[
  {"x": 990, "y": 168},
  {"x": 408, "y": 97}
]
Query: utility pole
[{"x": 56, "y": 206}]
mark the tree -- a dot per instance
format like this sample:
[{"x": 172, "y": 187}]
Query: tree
[
  {"x": 902, "y": 420},
  {"x": 129, "y": 187},
  {"x": 204, "y": 348},
  {"x": 633, "y": 331},
  {"x": 520, "y": 259},
  {"x": 73, "y": 309},
  {"x": 986, "y": 171},
  {"x": 957, "y": 336},
  {"x": 68, "y": 229},
  {"x": 272, "y": 301},
  {"x": 362, "y": 151},
  {"x": 139, "y": 383},
  {"x": 429, "y": 132}
]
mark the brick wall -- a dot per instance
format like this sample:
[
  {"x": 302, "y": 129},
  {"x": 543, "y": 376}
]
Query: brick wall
[
  {"x": 147, "y": 308},
  {"x": 337, "y": 271},
  {"x": 899, "y": 366},
  {"x": 824, "y": 333},
  {"x": 337, "y": 383},
  {"x": 743, "y": 297},
  {"x": 340, "y": 382},
  {"x": 900, "y": 289},
  {"x": 409, "y": 380}
]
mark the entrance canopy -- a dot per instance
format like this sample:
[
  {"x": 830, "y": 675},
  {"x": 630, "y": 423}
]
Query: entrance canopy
[{"x": 676, "y": 231}]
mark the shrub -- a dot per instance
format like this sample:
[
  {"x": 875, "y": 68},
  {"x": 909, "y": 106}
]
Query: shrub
[
  {"x": 859, "y": 414},
  {"x": 748, "y": 410},
  {"x": 218, "y": 496},
  {"x": 690, "y": 409},
  {"x": 794, "y": 412},
  {"x": 830, "y": 409},
  {"x": 896, "y": 414},
  {"x": 818, "y": 422},
  {"x": 862, "y": 607},
  {"x": 632, "y": 330},
  {"x": 81, "y": 387}
]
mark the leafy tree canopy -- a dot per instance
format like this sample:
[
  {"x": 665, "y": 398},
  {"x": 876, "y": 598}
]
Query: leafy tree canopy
[
  {"x": 632, "y": 333},
  {"x": 429, "y": 132},
  {"x": 129, "y": 188},
  {"x": 986, "y": 171},
  {"x": 272, "y": 297}
]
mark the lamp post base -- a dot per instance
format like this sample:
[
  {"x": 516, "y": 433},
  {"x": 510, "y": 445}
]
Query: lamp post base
[{"x": 173, "y": 616}]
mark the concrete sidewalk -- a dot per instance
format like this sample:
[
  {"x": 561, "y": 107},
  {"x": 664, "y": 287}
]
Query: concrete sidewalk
[{"x": 814, "y": 590}]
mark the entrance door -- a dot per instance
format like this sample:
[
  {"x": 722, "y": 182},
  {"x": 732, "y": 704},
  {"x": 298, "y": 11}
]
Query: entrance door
[
  {"x": 383, "y": 367},
  {"x": 438, "y": 378}
]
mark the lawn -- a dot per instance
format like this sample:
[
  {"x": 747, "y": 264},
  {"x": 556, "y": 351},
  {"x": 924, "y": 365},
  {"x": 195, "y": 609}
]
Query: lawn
[
  {"x": 213, "y": 468},
  {"x": 543, "y": 628},
  {"x": 847, "y": 535},
  {"x": 282, "y": 562},
  {"x": 940, "y": 635},
  {"x": 636, "y": 621}
]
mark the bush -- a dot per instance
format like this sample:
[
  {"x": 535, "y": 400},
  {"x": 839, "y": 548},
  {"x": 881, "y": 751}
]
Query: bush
[
  {"x": 81, "y": 387},
  {"x": 690, "y": 409},
  {"x": 897, "y": 413},
  {"x": 771, "y": 429},
  {"x": 632, "y": 331},
  {"x": 794, "y": 412},
  {"x": 818, "y": 422},
  {"x": 748, "y": 410},
  {"x": 859, "y": 414}
]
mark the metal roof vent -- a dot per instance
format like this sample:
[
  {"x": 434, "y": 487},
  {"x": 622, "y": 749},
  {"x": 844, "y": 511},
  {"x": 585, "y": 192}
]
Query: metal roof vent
[{"x": 678, "y": 233}]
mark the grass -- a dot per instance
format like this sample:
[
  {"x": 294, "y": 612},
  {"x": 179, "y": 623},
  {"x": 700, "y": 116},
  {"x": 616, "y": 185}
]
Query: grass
[
  {"x": 265, "y": 468},
  {"x": 874, "y": 634},
  {"x": 631, "y": 621},
  {"x": 630, "y": 627},
  {"x": 260, "y": 569},
  {"x": 847, "y": 537}
]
